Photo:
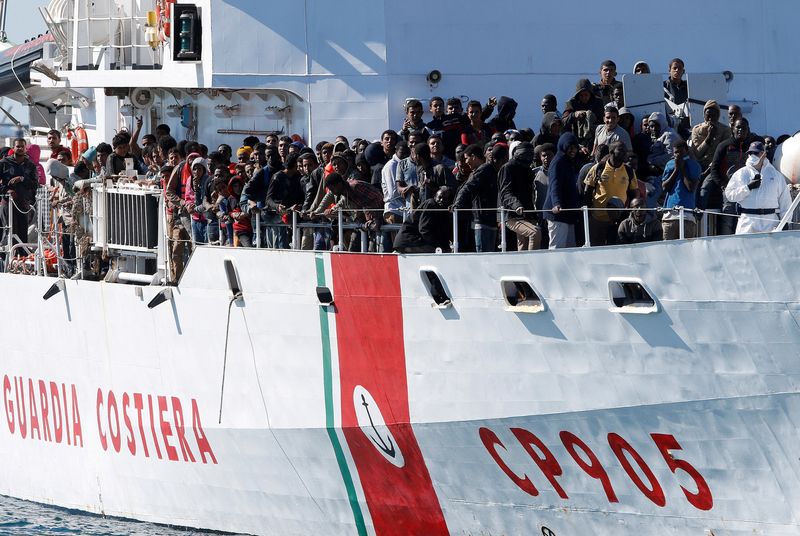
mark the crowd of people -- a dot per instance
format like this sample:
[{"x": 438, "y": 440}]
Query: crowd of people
[{"x": 638, "y": 180}]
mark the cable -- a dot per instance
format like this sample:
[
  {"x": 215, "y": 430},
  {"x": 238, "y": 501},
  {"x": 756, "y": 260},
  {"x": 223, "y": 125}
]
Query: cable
[
  {"x": 225, "y": 353},
  {"x": 266, "y": 412},
  {"x": 25, "y": 92}
]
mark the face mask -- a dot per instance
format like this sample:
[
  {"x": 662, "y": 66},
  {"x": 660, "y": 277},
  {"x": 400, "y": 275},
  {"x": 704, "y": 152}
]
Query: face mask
[{"x": 752, "y": 160}]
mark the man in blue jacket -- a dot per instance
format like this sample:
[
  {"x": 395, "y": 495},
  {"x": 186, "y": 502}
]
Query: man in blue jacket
[{"x": 562, "y": 193}]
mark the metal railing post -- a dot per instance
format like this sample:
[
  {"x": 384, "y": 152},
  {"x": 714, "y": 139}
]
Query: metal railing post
[
  {"x": 502, "y": 230},
  {"x": 786, "y": 218},
  {"x": 10, "y": 228},
  {"x": 681, "y": 227},
  {"x": 258, "y": 229},
  {"x": 57, "y": 241},
  {"x": 340, "y": 219},
  {"x": 295, "y": 241},
  {"x": 703, "y": 225},
  {"x": 587, "y": 240},
  {"x": 455, "y": 230}
]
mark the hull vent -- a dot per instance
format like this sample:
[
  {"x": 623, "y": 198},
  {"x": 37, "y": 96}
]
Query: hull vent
[
  {"x": 435, "y": 287},
  {"x": 520, "y": 296},
  {"x": 630, "y": 296}
]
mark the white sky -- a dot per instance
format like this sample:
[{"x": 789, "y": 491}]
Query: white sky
[{"x": 23, "y": 20}]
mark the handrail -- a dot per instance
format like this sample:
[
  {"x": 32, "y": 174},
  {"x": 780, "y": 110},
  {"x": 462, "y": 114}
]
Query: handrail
[
  {"x": 789, "y": 214},
  {"x": 132, "y": 229}
]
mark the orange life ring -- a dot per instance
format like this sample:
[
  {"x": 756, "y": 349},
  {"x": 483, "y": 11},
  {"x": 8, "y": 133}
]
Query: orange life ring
[{"x": 80, "y": 144}]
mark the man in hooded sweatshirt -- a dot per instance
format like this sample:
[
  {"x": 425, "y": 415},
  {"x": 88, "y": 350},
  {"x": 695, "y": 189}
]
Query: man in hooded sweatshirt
[
  {"x": 504, "y": 120},
  {"x": 518, "y": 195},
  {"x": 550, "y": 130},
  {"x": 582, "y": 113},
  {"x": 562, "y": 193},
  {"x": 376, "y": 158},
  {"x": 664, "y": 139}
]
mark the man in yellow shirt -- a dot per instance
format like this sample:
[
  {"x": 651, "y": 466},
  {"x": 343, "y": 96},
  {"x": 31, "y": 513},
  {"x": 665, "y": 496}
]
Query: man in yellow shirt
[{"x": 612, "y": 184}]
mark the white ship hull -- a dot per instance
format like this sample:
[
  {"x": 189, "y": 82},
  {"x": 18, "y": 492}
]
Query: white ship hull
[{"x": 474, "y": 419}]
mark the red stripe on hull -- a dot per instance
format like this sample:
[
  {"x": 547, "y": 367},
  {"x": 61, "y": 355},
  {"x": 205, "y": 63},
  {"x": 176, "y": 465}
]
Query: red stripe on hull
[{"x": 369, "y": 332}]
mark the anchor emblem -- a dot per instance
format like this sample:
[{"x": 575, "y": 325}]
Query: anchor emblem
[
  {"x": 372, "y": 424},
  {"x": 388, "y": 450}
]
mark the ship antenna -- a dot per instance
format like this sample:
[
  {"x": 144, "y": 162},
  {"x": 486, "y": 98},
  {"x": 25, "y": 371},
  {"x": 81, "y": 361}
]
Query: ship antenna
[{"x": 3, "y": 8}]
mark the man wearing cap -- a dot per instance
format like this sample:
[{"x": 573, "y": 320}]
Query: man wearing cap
[
  {"x": 760, "y": 190},
  {"x": 707, "y": 135}
]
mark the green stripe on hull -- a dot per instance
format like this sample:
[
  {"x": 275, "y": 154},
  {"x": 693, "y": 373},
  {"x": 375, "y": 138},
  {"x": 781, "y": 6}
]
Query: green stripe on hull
[{"x": 329, "y": 424}]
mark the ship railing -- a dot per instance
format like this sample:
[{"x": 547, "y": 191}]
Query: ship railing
[
  {"x": 341, "y": 227},
  {"x": 129, "y": 220},
  {"x": 791, "y": 220},
  {"x": 27, "y": 256}
]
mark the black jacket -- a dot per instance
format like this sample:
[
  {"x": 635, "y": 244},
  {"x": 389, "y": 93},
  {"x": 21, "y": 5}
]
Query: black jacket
[
  {"x": 310, "y": 185},
  {"x": 562, "y": 187},
  {"x": 506, "y": 109},
  {"x": 256, "y": 187},
  {"x": 729, "y": 156},
  {"x": 480, "y": 191},
  {"x": 517, "y": 188},
  {"x": 544, "y": 135},
  {"x": 429, "y": 180},
  {"x": 426, "y": 228},
  {"x": 376, "y": 159},
  {"x": 25, "y": 191},
  {"x": 284, "y": 190}
]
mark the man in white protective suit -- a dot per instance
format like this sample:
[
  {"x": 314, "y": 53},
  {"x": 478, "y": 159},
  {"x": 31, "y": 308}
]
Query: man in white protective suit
[{"x": 760, "y": 190}]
